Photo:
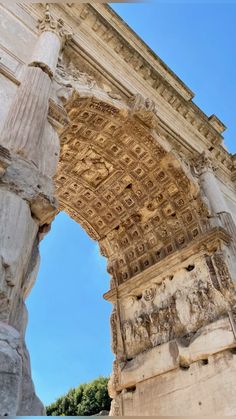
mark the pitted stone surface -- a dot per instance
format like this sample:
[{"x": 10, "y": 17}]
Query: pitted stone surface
[{"x": 105, "y": 124}]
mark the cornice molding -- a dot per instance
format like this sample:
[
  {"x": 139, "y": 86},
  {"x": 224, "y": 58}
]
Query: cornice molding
[
  {"x": 207, "y": 242},
  {"x": 8, "y": 73},
  {"x": 147, "y": 68},
  {"x": 107, "y": 27}
]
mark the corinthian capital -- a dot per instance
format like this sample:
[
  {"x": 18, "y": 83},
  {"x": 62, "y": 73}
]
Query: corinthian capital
[
  {"x": 203, "y": 163},
  {"x": 50, "y": 24}
]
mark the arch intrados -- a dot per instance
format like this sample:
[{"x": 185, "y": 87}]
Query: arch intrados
[{"x": 122, "y": 183}]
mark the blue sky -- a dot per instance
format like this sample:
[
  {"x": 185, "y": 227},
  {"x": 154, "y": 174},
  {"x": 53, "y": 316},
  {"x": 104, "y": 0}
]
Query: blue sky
[{"x": 68, "y": 333}]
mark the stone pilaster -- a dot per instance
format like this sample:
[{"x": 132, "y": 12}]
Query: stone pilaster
[{"x": 27, "y": 207}]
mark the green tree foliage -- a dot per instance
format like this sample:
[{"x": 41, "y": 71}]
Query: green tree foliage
[{"x": 85, "y": 400}]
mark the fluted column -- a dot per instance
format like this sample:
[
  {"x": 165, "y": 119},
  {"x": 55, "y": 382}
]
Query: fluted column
[
  {"x": 215, "y": 197},
  {"x": 23, "y": 129},
  {"x": 210, "y": 184},
  {"x": 27, "y": 207}
]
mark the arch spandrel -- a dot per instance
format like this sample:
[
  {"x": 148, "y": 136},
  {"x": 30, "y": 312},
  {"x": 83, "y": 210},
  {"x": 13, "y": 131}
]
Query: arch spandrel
[{"x": 122, "y": 182}]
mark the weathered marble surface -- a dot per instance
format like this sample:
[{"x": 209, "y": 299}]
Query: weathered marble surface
[
  {"x": 203, "y": 389},
  {"x": 115, "y": 133}
]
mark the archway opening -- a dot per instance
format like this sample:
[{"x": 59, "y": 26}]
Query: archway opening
[{"x": 68, "y": 334}]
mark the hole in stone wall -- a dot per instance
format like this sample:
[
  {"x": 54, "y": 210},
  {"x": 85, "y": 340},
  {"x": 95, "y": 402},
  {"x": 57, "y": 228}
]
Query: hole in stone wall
[
  {"x": 131, "y": 389},
  {"x": 233, "y": 351},
  {"x": 129, "y": 186},
  {"x": 139, "y": 296},
  {"x": 183, "y": 364},
  {"x": 190, "y": 268},
  {"x": 184, "y": 367},
  {"x": 211, "y": 148},
  {"x": 204, "y": 361},
  {"x": 171, "y": 277},
  {"x": 174, "y": 214}
]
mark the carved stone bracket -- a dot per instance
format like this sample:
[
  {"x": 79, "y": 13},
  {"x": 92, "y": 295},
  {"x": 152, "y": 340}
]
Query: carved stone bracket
[{"x": 144, "y": 109}]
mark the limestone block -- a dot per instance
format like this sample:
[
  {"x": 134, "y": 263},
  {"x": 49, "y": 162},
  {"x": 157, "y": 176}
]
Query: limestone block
[
  {"x": 211, "y": 339},
  {"x": 29, "y": 404},
  {"x": 44, "y": 209},
  {"x": 150, "y": 363},
  {"x": 23, "y": 178},
  {"x": 10, "y": 370},
  {"x": 18, "y": 232},
  {"x": 46, "y": 52},
  {"x": 15, "y": 36},
  {"x": 203, "y": 389}
]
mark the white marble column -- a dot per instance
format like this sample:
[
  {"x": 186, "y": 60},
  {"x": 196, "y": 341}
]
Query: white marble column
[
  {"x": 210, "y": 185},
  {"x": 27, "y": 207},
  {"x": 215, "y": 197}
]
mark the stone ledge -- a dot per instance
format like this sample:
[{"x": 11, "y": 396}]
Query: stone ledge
[
  {"x": 25, "y": 180},
  {"x": 211, "y": 339}
]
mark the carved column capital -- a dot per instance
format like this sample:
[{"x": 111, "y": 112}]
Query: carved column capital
[
  {"x": 203, "y": 163},
  {"x": 50, "y": 24},
  {"x": 53, "y": 37}
]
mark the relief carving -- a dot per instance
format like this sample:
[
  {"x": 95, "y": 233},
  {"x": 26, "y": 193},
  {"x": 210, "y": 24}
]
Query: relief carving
[
  {"x": 172, "y": 313},
  {"x": 69, "y": 75},
  {"x": 114, "y": 337},
  {"x": 139, "y": 103},
  {"x": 93, "y": 168},
  {"x": 149, "y": 294},
  {"x": 227, "y": 284}
]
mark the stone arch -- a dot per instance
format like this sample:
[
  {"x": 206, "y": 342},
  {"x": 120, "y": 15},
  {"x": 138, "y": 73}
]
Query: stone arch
[
  {"x": 170, "y": 249},
  {"x": 119, "y": 178}
]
